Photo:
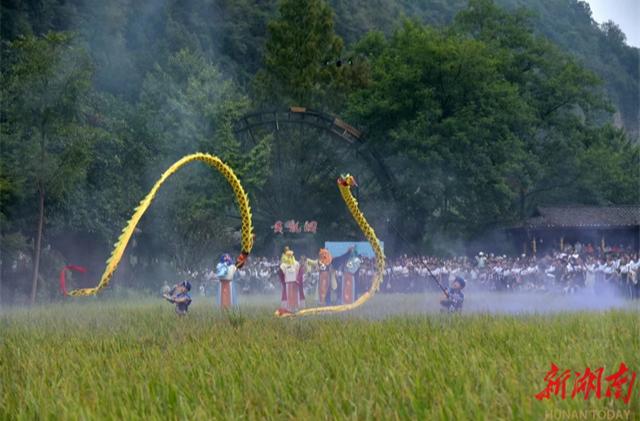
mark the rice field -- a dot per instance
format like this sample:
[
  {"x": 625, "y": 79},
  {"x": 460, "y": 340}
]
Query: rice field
[{"x": 394, "y": 358}]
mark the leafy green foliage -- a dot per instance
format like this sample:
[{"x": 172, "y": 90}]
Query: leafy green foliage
[
  {"x": 44, "y": 133},
  {"x": 189, "y": 107},
  {"x": 127, "y": 38},
  {"x": 485, "y": 118},
  {"x": 299, "y": 45}
]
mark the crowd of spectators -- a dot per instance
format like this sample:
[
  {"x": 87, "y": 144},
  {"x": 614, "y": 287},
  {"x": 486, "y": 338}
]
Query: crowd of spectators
[{"x": 570, "y": 270}]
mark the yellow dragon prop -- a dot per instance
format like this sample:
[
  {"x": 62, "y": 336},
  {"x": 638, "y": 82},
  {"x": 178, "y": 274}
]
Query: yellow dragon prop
[
  {"x": 120, "y": 246},
  {"x": 345, "y": 183}
]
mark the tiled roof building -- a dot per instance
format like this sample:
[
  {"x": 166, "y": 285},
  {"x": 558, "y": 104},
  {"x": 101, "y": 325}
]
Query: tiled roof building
[
  {"x": 551, "y": 226},
  {"x": 618, "y": 216}
]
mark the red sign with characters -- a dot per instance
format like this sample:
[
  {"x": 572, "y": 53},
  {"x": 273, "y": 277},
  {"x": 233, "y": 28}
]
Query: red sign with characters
[
  {"x": 587, "y": 382},
  {"x": 294, "y": 227}
]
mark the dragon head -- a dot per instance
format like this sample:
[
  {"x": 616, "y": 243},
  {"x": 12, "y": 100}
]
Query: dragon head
[
  {"x": 242, "y": 259},
  {"x": 347, "y": 181},
  {"x": 283, "y": 312}
]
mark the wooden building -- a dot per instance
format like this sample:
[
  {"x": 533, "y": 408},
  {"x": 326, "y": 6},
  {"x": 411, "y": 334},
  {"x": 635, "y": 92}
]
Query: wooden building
[{"x": 554, "y": 226}]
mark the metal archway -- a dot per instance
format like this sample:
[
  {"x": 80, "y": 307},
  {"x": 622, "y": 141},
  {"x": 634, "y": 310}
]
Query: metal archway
[{"x": 334, "y": 126}]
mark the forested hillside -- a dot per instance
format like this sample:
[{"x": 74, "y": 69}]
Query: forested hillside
[
  {"x": 127, "y": 37},
  {"x": 479, "y": 113}
]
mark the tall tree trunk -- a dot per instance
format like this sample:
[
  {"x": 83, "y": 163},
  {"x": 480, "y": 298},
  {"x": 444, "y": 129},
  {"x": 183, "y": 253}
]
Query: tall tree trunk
[{"x": 36, "y": 266}]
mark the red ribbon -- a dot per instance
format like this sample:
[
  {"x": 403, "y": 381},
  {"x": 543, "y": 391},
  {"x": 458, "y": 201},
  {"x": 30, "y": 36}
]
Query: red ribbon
[
  {"x": 242, "y": 259},
  {"x": 62, "y": 283}
]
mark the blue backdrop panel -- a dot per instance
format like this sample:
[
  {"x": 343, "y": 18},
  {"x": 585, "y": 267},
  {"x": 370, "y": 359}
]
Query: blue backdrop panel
[{"x": 338, "y": 248}]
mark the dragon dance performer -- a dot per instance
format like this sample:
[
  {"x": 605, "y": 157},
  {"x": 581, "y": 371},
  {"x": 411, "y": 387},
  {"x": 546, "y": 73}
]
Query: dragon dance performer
[
  {"x": 182, "y": 300},
  {"x": 327, "y": 281},
  {"x": 349, "y": 264},
  {"x": 227, "y": 275},
  {"x": 308, "y": 266},
  {"x": 290, "y": 273},
  {"x": 454, "y": 302}
]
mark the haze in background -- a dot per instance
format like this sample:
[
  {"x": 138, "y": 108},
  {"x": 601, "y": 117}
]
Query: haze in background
[{"x": 625, "y": 13}]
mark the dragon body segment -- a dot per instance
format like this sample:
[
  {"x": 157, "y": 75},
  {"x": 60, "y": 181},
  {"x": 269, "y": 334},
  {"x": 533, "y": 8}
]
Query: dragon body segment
[
  {"x": 345, "y": 184},
  {"x": 127, "y": 232}
]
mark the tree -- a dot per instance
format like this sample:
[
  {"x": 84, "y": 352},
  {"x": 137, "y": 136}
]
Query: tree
[
  {"x": 482, "y": 121},
  {"x": 189, "y": 106},
  {"x": 44, "y": 88},
  {"x": 300, "y": 43},
  {"x": 439, "y": 108},
  {"x": 563, "y": 99},
  {"x": 614, "y": 36}
]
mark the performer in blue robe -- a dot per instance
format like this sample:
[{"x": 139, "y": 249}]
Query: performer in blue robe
[
  {"x": 349, "y": 265},
  {"x": 227, "y": 275},
  {"x": 453, "y": 300}
]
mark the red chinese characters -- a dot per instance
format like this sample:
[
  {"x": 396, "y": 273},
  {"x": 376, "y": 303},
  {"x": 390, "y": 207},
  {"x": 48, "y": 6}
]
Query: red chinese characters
[
  {"x": 587, "y": 382},
  {"x": 277, "y": 228},
  {"x": 617, "y": 380},
  {"x": 310, "y": 226},
  {"x": 555, "y": 382},
  {"x": 294, "y": 227}
]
